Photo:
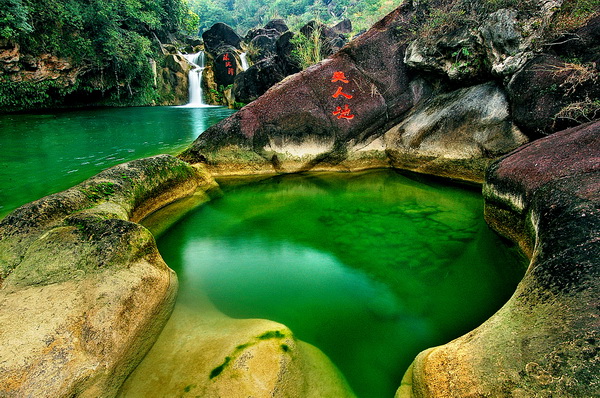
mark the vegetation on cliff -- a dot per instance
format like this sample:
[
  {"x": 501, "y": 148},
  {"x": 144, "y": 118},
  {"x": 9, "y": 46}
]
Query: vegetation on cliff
[
  {"x": 107, "y": 46},
  {"x": 243, "y": 15}
]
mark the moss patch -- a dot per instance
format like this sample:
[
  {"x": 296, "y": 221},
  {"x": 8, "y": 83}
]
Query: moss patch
[
  {"x": 219, "y": 369},
  {"x": 274, "y": 334}
]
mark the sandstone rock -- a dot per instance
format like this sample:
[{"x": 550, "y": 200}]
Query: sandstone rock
[
  {"x": 545, "y": 340},
  {"x": 84, "y": 291}
]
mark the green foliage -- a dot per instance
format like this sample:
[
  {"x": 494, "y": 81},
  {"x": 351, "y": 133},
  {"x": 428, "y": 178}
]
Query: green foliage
[
  {"x": 243, "y": 15},
  {"x": 308, "y": 50},
  {"x": 29, "y": 94},
  {"x": 13, "y": 19},
  {"x": 111, "y": 41}
]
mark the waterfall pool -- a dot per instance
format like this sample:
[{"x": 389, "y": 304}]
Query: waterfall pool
[{"x": 369, "y": 267}]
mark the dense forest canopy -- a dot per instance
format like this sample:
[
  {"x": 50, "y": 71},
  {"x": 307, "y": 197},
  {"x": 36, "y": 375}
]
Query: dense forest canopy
[
  {"x": 243, "y": 14},
  {"x": 110, "y": 41}
]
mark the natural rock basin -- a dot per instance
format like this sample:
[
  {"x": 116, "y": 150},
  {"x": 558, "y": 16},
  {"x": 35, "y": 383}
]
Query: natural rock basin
[{"x": 369, "y": 267}]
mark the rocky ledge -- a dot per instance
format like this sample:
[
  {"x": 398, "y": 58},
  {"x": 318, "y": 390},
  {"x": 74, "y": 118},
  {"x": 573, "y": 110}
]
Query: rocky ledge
[
  {"x": 546, "y": 340},
  {"x": 83, "y": 290}
]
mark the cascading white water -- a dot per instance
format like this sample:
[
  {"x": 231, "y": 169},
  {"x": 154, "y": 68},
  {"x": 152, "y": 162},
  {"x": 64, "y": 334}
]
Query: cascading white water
[
  {"x": 195, "y": 78},
  {"x": 244, "y": 61}
]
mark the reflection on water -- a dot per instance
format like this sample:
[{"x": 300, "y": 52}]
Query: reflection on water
[
  {"x": 370, "y": 267},
  {"x": 43, "y": 154}
]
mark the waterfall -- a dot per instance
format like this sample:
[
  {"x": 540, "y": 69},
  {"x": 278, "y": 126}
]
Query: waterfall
[
  {"x": 244, "y": 61},
  {"x": 195, "y": 79}
]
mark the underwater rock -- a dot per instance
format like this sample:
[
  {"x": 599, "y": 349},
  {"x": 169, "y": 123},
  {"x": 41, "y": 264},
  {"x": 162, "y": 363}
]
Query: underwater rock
[
  {"x": 546, "y": 340},
  {"x": 208, "y": 354},
  {"x": 84, "y": 291}
]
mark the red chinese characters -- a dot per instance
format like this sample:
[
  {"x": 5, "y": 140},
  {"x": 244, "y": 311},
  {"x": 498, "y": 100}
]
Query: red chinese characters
[
  {"x": 339, "y": 77},
  {"x": 228, "y": 64},
  {"x": 345, "y": 111},
  {"x": 340, "y": 92}
]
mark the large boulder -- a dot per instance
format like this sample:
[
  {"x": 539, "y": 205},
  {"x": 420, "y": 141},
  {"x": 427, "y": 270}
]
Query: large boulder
[
  {"x": 208, "y": 354},
  {"x": 256, "y": 80},
  {"x": 84, "y": 292},
  {"x": 546, "y": 340},
  {"x": 220, "y": 35},
  {"x": 455, "y": 135},
  {"x": 331, "y": 41},
  {"x": 549, "y": 93},
  {"x": 226, "y": 66},
  {"x": 298, "y": 124},
  {"x": 278, "y": 24}
]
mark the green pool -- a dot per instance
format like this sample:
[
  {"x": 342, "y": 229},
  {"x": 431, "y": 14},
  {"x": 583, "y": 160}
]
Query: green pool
[{"x": 370, "y": 267}]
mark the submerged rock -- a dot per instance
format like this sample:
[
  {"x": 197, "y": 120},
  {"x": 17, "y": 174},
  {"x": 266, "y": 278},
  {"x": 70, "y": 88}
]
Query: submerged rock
[
  {"x": 84, "y": 291},
  {"x": 211, "y": 355},
  {"x": 545, "y": 340}
]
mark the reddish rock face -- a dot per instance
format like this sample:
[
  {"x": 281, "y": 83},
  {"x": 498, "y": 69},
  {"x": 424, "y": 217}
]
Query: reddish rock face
[
  {"x": 572, "y": 152},
  {"x": 542, "y": 90}
]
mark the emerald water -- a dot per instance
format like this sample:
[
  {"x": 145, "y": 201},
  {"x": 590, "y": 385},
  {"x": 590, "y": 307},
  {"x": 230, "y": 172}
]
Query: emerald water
[
  {"x": 370, "y": 267},
  {"x": 45, "y": 153}
]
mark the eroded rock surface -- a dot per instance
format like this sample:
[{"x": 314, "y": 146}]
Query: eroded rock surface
[
  {"x": 545, "y": 340},
  {"x": 84, "y": 292}
]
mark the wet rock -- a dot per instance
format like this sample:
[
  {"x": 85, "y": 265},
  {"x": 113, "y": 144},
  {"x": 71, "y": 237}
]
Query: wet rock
[
  {"x": 545, "y": 340},
  {"x": 84, "y": 292}
]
